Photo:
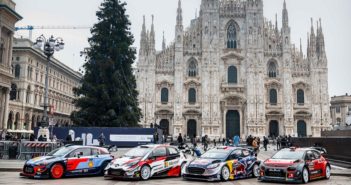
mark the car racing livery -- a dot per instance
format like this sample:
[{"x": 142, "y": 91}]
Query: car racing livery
[
  {"x": 223, "y": 163},
  {"x": 68, "y": 161},
  {"x": 295, "y": 165},
  {"x": 147, "y": 161}
]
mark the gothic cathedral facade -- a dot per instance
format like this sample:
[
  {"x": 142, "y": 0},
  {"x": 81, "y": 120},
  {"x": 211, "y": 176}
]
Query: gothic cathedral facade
[{"x": 232, "y": 72}]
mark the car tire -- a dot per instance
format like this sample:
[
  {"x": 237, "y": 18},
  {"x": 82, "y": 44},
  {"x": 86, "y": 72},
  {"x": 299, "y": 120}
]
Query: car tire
[
  {"x": 225, "y": 173},
  {"x": 305, "y": 175},
  {"x": 57, "y": 171},
  {"x": 181, "y": 169},
  {"x": 255, "y": 171},
  {"x": 103, "y": 166},
  {"x": 327, "y": 172},
  {"x": 145, "y": 172}
]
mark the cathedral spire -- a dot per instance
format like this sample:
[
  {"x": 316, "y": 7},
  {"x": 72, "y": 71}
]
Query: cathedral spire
[
  {"x": 179, "y": 14},
  {"x": 276, "y": 23},
  {"x": 308, "y": 45},
  {"x": 143, "y": 37},
  {"x": 152, "y": 34},
  {"x": 163, "y": 41},
  {"x": 285, "y": 16},
  {"x": 301, "y": 53},
  {"x": 312, "y": 40}
]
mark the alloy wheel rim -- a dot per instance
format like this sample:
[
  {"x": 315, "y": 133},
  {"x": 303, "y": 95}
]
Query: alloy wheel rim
[
  {"x": 57, "y": 171},
  {"x": 225, "y": 173},
  {"x": 255, "y": 170},
  {"x": 305, "y": 175},
  {"x": 145, "y": 173},
  {"x": 328, "y": 172}
]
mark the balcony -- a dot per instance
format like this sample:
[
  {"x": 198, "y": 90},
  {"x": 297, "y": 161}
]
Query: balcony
[{"x": 232, "y": 87}]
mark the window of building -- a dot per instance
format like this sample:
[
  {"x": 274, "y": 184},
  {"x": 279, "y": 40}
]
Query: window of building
[
  {"x": 192, "y": 68},
  {"x": 232, "y": 74},
  {"x": 192, "y": 96},
  {"x": 337, "y": 109},
  {"x": 272, "y": 70},
  {"x": 13, "y": 92},
  {"x": 17, "y": 70},
  {"x": 273, "y": 97},
  {"x": 164, "y": 95},
  {"x": 300, "y": 97},
  {"x": 28, "y": 95},
  {"x": 2, "y": 49},
  {"x": 231, "y": 36}
]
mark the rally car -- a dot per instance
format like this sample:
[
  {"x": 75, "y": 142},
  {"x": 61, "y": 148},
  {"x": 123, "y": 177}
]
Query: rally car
[
  {"x": 223, "y": 163},
  {"x": 295, "y": 165},
  {"x": 68, "y": 161},
  {"x": 146, "y": 161}
]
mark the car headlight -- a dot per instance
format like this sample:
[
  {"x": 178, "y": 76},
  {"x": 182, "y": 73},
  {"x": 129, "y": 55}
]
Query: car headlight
[{"x": 212, "y": 166}]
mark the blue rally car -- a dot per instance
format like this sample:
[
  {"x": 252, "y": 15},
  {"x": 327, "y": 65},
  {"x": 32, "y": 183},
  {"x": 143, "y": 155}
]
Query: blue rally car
[
  {"x": 223, "y": 163},
  {"x": 68, "y": 161}
]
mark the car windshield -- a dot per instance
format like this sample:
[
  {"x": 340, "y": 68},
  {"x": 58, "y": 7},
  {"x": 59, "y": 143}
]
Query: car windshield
[
  {"x": 60, "y": 151},
  {"x": 137, "y": 152},
  {"x": 289, "y": 154},
  {"x": 216, "y": 154}
]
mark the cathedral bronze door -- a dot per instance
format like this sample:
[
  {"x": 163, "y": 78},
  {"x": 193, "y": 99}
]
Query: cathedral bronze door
[
  {"x": 273, "y": 128},
  {"x": 164, "y": 124},
  {"x": 301, "y": 129},
  {"x": 191, "y": 128},
  {"x": 232, "y": 124}
]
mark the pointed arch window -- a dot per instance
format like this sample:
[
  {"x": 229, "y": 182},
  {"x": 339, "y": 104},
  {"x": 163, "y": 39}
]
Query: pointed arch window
[
  {"x": 192, "y": 96},
  {"x": 192, "y": 68},
  {"x": 300, "y": 97},
  {"x": 17, "y": 71},
  {"x": 164, "y": 95},
  {"x": 232, "y": 75},
  {"x": 272, "y": 70},
  {"x": 231, "y": 36},
  {"x": 273, "y": 97},
  {"x": 2, "y": 49}
]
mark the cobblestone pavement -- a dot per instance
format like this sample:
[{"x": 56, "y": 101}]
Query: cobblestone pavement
[{"x": 13, "y": 178}]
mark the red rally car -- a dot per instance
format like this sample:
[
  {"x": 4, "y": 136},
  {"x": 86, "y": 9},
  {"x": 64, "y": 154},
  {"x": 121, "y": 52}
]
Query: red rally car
[
  {"x": 147, "y": 161},
  {"x": 295, "y": 165}
]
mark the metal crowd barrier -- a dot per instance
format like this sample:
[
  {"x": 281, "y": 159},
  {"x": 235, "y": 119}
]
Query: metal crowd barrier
[
  {"x": 30, "y": 149},
  {"x": 5, "y": 147}
]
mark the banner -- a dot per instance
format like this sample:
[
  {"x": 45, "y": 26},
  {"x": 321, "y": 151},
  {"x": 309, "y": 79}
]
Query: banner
[{"x": 121, "y": 137}]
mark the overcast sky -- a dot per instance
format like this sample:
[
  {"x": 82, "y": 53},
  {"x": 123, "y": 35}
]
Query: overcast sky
[{"x": 335, "y": 16}]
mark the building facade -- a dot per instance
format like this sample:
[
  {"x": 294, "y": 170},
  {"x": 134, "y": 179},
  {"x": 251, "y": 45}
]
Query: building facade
[
  {"x": 8, "y": 18},
  {"x": 232, "y": 72},
  {"x": 28, "y": 87},
  {"x": 340, "y": 109}
]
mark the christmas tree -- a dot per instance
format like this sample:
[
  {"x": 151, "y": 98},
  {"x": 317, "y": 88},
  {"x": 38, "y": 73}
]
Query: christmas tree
[{"x": 107, "y": 96}]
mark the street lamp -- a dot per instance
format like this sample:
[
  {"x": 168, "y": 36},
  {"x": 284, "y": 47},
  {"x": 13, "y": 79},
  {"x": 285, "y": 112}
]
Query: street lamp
[{"x": 49, "y": 46}]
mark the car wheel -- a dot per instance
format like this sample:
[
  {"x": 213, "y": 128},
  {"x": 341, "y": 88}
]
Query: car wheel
[
  {"x": 305, "y": 175},
  {"x": 145, "y": 172},
  {"x": 327, "y": 172},
  {"x": 103, "y": 166},
  {"x": 225, "y": 173},
  {"x": 255, "y": 171},
  {"x": 56, "y": 171},
  {"x": 181, "y": 169}
]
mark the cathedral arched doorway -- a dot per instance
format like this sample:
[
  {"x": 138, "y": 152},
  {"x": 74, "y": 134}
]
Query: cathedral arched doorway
[
  {"x": 164, "y": 124},
  {"x": 191, "y": 128},
  {"x": 232, "y": 124},
  {"x": 273, "y": 128},
  {"x": 301, "y": 128}
]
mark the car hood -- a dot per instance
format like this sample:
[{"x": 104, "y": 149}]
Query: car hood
[
  {"x": 43, "y": 159},
  {"x": 201, "y": 162},
  {"x": 125, "y": 160},
  {"x": 280, "y": 162}
]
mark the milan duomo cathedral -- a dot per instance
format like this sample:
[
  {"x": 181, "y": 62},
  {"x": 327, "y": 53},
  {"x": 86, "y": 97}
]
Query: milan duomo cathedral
[{"x": 232, "y": 72}]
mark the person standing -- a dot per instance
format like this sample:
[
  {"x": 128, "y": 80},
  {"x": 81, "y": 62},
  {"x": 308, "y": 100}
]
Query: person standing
[
  {"x": 236, "y": 140},
  {"x": 278, "y": 143},
  {"x": 180, "y": 139},
  {"x": 223, "y": 141},
  {"x": 205, "y": 142},
  {"x": 255, "y": 145},
  {"x": 101, "y": 139},
  {"x": 265, "y": 142}
]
